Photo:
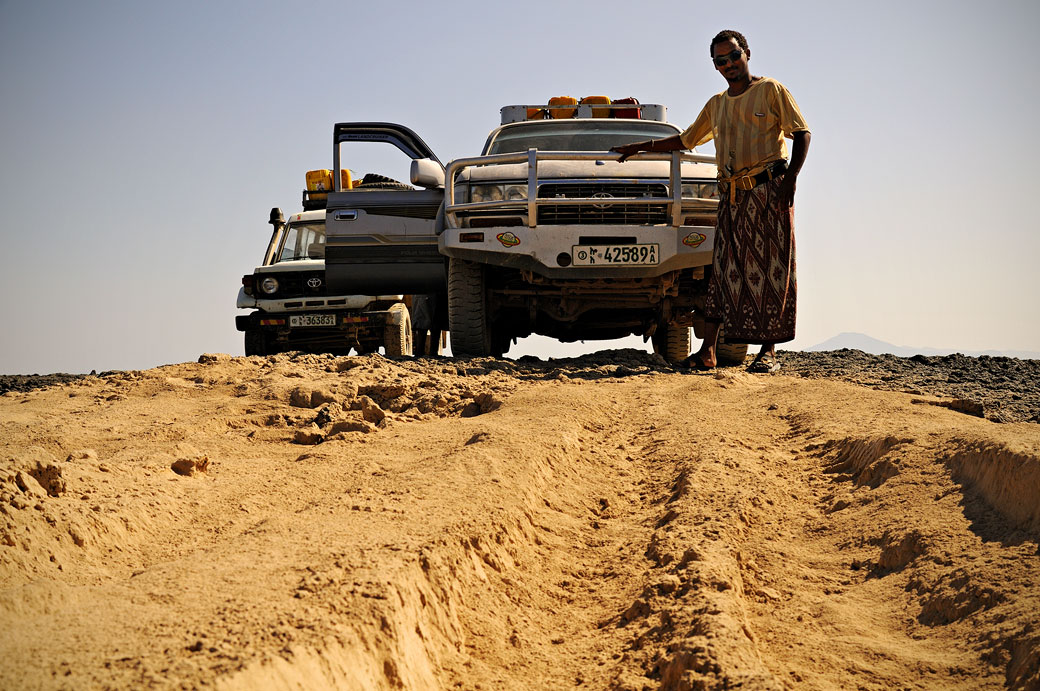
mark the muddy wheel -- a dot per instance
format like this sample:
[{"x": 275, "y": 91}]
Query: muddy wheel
[
  {"x": 468, "y": 320},
  {"x": 257, "y": 342},
  {"x": 732, "y": 354},
  {"x": 397, "y": 334},
  {"x": 671, "y": 342}
]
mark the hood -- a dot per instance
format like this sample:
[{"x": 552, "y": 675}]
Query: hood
[{"x": 291, "y": 265}]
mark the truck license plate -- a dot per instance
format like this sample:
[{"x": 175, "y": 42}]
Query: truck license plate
[
  {"x": 615, "y": 255},
  {"x": 298, "y": 320}
]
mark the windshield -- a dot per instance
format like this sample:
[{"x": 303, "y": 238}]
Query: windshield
[
  {"x": 576, "y": 135},
  {"x": 304, "y": 241}
]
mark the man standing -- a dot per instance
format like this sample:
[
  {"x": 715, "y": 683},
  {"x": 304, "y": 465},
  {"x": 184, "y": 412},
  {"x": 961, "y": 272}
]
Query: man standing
[{"x": 752, "y": 288}]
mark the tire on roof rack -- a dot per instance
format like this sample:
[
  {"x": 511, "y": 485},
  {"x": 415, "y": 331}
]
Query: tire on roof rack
[{"x": 375, "y": 181}]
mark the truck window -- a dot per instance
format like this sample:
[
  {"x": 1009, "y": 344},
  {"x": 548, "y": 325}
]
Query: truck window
[
  {"x": 379, "y": 158},
  {"x": 576, "y": 136},
  {"x": 303, "y": 242}
]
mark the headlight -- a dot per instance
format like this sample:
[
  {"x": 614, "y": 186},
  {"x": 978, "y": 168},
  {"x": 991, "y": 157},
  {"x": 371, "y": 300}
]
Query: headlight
[
  {"x": 700, "y": 190},
  {"x": 269, "y": 285},
  {"x": 497, "y": 193},
  {"x": 516, "y": 193},
  {"x": 486, "y": 193},
  {"x": 461, "y": 194}
]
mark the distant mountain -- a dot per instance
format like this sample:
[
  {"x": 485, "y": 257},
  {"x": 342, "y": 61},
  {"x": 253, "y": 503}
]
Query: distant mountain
[{"x": 872, "y": 345}]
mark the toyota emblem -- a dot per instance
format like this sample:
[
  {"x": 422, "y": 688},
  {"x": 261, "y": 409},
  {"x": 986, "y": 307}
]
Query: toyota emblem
[
  {"x": 314, "y": 282},
  {"x": 602, "y": 195}
]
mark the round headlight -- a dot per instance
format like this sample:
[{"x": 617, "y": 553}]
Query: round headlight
[{"x": 269, "y": 285}]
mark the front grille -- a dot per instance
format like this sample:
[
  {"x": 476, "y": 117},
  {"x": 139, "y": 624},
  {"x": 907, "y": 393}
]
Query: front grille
[
  {"x": 599, "y": 214},
  {"x": 291, "y": 285}
]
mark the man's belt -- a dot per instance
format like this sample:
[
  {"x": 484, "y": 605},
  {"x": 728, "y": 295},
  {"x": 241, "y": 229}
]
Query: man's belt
[{"x": 750, "y": 182}]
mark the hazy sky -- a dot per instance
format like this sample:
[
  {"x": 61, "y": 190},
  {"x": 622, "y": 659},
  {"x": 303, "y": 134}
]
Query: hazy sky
[{"x": 144, "y": 143}]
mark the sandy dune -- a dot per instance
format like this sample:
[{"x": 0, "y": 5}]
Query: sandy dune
[{"x": 315, "y": 522}]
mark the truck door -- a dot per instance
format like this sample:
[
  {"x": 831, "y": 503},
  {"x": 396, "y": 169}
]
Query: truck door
[{"x": 382, "y": 231}]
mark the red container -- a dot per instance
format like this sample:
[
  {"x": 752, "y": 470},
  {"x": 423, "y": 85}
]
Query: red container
[{"x": 627, "y": 112}]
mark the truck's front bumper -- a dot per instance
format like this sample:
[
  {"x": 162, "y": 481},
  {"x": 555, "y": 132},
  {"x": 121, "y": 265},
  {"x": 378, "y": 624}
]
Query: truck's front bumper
[
  {"x": 302, "y": 324},
  {"x": 549, "y": 250}
]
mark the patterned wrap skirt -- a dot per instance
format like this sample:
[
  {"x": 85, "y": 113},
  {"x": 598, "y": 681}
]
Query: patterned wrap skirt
[{"x": 752, "y": 289}]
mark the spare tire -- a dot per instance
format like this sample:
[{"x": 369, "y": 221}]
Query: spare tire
[
  {"x": 375, "y": 181},
  {"x": 375, "y": 177}
]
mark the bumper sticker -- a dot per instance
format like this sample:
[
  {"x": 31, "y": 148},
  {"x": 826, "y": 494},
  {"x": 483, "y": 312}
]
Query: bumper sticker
[
  {"x": 508, "y": 239},
  {"x": 694, "y": 239}
]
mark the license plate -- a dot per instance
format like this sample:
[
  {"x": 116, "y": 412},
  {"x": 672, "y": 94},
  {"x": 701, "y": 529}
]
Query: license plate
[
  {"x": 616, "y": 255},
  {"x": 298, "y": 320}
]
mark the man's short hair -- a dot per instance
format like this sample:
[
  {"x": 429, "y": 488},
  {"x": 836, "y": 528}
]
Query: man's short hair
[{"x": 725, "y": 36}]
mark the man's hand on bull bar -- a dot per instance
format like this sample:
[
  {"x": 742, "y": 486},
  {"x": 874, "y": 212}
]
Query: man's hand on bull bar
[{"x": 627, "y": 150}]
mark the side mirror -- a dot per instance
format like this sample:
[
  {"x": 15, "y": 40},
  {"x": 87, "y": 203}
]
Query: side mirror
[{"x": 427, "y": 173}]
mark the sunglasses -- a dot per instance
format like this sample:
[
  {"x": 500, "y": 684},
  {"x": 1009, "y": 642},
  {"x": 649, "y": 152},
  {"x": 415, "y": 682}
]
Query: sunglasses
[{"x": 723, "y": 60}]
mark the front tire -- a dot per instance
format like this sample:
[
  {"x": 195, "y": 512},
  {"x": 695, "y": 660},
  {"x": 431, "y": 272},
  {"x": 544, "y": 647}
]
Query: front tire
[
  {"x": 257, "y": 342},
  {"x": 468, "y": 320},
  {"x": 672, "y": 342},
  {"x": 397, "y": 334}
]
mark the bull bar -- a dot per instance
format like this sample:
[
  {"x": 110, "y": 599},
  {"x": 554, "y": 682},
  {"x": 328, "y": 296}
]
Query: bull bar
[{"x": 533, "y": 156}]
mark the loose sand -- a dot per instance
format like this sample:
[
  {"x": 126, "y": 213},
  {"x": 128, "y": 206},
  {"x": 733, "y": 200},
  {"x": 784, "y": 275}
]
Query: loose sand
[{"x": 312, "y": 522}]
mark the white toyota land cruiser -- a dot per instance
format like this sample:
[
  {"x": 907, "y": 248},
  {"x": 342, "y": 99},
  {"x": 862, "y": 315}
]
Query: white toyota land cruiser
[
  {"x": 293, "y": 307},
  {"x": 547, "y": 233}
]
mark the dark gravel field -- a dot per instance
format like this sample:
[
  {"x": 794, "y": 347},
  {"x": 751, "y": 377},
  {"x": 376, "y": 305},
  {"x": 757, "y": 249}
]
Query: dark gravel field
[
  {"x": 998, "y": 388},
  {"x": 28, "y": 382}
]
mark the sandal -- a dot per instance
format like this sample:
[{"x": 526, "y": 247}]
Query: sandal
[
  {"x": 694, "y": 364},
  {"x": 764, "y": 364}
]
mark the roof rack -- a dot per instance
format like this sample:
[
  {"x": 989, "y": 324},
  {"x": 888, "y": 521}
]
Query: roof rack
[
  {"x": 522, "y": 113},
  {"x": 314, "y": 200}
]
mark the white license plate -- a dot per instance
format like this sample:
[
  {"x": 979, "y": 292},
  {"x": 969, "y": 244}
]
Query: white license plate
[
  {"x": 298, "y": 320},
  {"x": 616, "y": 255}
]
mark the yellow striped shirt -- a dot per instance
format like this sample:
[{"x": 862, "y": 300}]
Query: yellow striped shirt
[{"x": 748, "y": 129}]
